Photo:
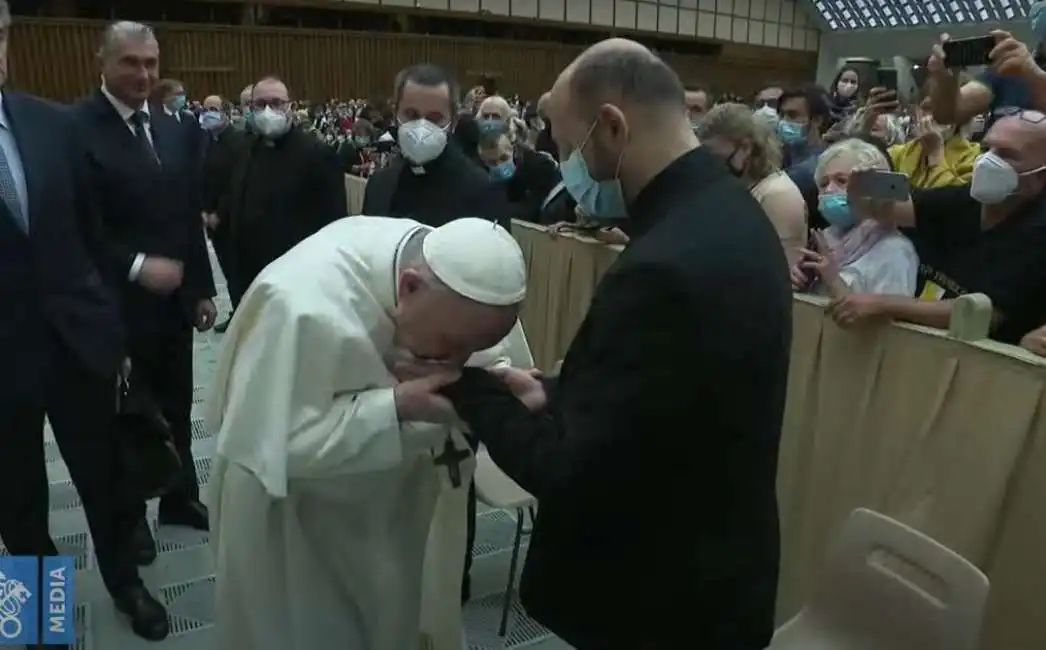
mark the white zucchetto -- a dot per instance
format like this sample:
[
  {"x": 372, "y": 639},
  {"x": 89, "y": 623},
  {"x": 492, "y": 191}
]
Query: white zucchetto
[{"x": 479, "y": 260}]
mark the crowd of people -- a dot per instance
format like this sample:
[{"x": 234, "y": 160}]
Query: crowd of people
[{"x": 361, "y": 348}]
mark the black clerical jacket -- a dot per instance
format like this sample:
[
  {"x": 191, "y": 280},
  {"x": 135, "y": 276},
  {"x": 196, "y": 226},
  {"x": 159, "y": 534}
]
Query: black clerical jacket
[
  {"x": 655, "y": 463},
  {"x": 448, "y": 188},
  {"x": 280, "y": 192}
]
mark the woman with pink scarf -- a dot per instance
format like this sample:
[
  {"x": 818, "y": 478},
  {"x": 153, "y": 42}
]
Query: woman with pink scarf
[{"x": 861, "y": 251}]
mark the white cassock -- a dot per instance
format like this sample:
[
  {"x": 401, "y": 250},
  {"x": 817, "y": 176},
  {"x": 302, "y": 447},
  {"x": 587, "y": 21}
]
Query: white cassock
[{"x": 326, "y": 513}]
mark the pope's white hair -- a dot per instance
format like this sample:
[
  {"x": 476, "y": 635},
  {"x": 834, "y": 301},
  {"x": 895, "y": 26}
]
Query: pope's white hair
[
  {"x": 412, "y": 256},
  {"x": 116, "y": 34},
  {"x": 857, "y": 153}
]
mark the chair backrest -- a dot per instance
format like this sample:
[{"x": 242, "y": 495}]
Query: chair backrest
[{"x": 896, "y": 589}]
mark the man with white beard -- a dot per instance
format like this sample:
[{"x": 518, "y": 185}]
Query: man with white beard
[{"x": 339, "y": 490}]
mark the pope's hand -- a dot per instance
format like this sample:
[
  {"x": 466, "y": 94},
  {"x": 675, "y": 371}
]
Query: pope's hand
[
  {"x": 418, "y": 400},
  {"x": 525, "y": 385}
]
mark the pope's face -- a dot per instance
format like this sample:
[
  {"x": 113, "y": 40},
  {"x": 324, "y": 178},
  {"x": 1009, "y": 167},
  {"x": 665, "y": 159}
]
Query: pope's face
[{"x": 435, "y": 325}]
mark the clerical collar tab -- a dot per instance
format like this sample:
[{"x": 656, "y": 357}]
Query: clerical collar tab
[{"x": 418, "y": 171}]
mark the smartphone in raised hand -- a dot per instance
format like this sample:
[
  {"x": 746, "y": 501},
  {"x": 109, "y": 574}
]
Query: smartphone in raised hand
[
  {"x": 968, "y": 52},
  {"x": 880, "y": 185}
]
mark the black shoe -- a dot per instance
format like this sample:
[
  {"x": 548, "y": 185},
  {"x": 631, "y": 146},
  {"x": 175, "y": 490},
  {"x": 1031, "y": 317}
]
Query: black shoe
[
  {"x": 148, "y": 616},
  {"x": 222, "y": 326},
  {"x": 191, "y": 514},
  {"x": 143, "y": 545}
]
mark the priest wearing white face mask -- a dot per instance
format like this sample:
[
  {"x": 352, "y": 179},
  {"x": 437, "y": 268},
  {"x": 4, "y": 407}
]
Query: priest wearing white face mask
[
  {"x": 986, "y": 237},
  {"x": 284, "y": 185},
  {"x": 339, "y": 492},
  {"x": 433, "y": 181}
]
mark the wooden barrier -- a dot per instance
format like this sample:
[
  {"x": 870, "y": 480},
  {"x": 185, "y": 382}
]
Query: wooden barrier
[
  {"x": 945, "y": 435},
  {"x": 54, "y": 58}
]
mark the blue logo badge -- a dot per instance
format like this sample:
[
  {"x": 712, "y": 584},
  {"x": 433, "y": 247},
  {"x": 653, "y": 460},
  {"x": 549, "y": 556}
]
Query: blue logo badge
[
  {"x": 57, "y": 601},
  {"x": 19, "y": 601},
  {"x": 23, "y": 597}
]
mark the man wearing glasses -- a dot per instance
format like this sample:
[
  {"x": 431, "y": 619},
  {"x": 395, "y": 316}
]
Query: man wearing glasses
[{"x": 284, "y": 186}]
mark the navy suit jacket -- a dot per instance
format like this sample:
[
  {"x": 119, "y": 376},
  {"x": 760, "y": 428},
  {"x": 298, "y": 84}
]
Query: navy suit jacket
[
  {"x": 49, "y": 277},
  {"x": 147, "y": 207}
]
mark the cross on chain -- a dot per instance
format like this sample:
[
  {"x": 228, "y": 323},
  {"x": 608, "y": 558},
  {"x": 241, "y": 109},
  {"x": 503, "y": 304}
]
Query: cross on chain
[{"x": 451, "y": 458}]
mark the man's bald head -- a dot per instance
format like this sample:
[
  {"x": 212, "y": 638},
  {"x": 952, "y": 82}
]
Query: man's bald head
[
  {"x": 622, "y": 109},
  {"x": 625, "y": 73},
  {"x": 1020, "y": 141},
  {"x": 212, "y": 102},
  {"x": 245, "y": 94}
]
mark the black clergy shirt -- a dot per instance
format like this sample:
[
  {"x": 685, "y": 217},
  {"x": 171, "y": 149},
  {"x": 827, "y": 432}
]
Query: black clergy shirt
[{"x": 655, "y": 463}]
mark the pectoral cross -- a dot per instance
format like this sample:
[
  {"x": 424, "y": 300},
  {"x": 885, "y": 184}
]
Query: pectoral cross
[{"x": 451, "y": 458}]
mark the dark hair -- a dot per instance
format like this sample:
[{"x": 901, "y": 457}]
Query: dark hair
[
  {"x": 839, "y": 75},
  {"x": 430, "y": 76},
  {"x": 816, "y": 99},
  {"x": 635, "y": 75}
]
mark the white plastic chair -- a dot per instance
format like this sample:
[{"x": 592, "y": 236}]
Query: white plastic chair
[
  {"x": 886, "y": 586},
  {"x": 495, "y": 489}
]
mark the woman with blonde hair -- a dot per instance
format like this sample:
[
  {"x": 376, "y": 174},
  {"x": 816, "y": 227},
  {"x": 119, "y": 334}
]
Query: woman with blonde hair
[{"x": 753, "y": 154}]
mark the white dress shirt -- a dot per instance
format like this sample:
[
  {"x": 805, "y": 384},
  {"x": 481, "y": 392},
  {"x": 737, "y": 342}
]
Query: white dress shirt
[{"x": 126, "y": 113}]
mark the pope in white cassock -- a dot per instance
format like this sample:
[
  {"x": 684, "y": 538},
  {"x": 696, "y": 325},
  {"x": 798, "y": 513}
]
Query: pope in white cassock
[{"x": 338, "y": 495}]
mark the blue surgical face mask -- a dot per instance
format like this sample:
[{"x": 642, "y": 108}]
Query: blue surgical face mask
[
  {"x": 597, "y": 199},
  {"x": 178, "y": 102},
  {"x": 1037, "y": 14},
  {"x": 211, "y": 120},
  {"x": 790, "y": 131},
  {"x": 835, "y": 208},
  {"x": 503, "y": 170},
  {"x": 491, "y": 125},
  {"x": 361, "y": 140}
]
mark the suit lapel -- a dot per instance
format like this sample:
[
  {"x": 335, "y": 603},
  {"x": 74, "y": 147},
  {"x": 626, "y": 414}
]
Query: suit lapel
[{"x": 34, "y": 142}]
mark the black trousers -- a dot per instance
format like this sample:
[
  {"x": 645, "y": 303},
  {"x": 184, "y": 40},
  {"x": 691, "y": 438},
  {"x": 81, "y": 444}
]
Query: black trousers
[
  {"x": 470, "y": 543},
  {"x": 224, "y": 252},
  {"x": 164, "y": 361},
  {"x": 80, "y": 406}
]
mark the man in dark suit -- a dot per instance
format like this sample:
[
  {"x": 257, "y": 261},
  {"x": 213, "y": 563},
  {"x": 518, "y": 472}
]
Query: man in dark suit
[
  {"x": 61, "y": 341},
  {"x": 433, "y": 181},
  {"x": 221, "y": 144},
  {"x": 148, "y": 179},
  {"x": 671, "y": 395}
]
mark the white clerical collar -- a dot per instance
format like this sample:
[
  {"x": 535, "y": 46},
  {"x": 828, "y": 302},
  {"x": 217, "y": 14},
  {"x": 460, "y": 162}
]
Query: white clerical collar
[
  {"x": 123, "y": 109},
  {"x": 417, "y": 171}
]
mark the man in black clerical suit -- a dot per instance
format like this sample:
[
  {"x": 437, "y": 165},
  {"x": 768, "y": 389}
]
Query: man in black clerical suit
[
  {"x": 60, "y": 338},
  {"x": 433, "y": 181},
  {"x": 671, "y": 396},
  {"x": 284, "y": 185},
  {"x": 221, "y": 144},
  {"x": 146, "y": 175}
]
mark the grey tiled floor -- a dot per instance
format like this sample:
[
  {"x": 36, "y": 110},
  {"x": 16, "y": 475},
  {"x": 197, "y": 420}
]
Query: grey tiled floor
[{"x": 182, "y": 574}]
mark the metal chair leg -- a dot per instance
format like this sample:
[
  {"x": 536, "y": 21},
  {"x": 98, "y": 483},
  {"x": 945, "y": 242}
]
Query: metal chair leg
[{"x": 506, "y": 604}]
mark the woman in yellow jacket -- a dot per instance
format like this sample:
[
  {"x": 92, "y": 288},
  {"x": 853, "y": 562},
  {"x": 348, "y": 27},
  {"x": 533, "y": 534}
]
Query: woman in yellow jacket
[{"x": 937, "y": 156}]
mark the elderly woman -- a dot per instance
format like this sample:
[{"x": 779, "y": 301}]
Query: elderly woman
[
  {"x": 528, "y": 176},
  {"x": 861, "y": 251},
  {"x": 751, "y": 150}
]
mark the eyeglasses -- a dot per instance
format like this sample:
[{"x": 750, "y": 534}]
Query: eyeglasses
[{"x": 1029, "y": 116}]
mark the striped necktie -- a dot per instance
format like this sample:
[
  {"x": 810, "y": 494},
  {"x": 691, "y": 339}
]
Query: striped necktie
[{"x": 9, "y": 193}]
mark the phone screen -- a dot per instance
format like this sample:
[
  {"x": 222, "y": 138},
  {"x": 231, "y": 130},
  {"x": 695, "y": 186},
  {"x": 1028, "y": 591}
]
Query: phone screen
[{"x": 968, "y": 52}]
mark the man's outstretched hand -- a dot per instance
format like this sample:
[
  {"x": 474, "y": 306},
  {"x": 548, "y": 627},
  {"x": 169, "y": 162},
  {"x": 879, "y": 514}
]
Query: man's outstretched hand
[{"x": 525, "y": 385}]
